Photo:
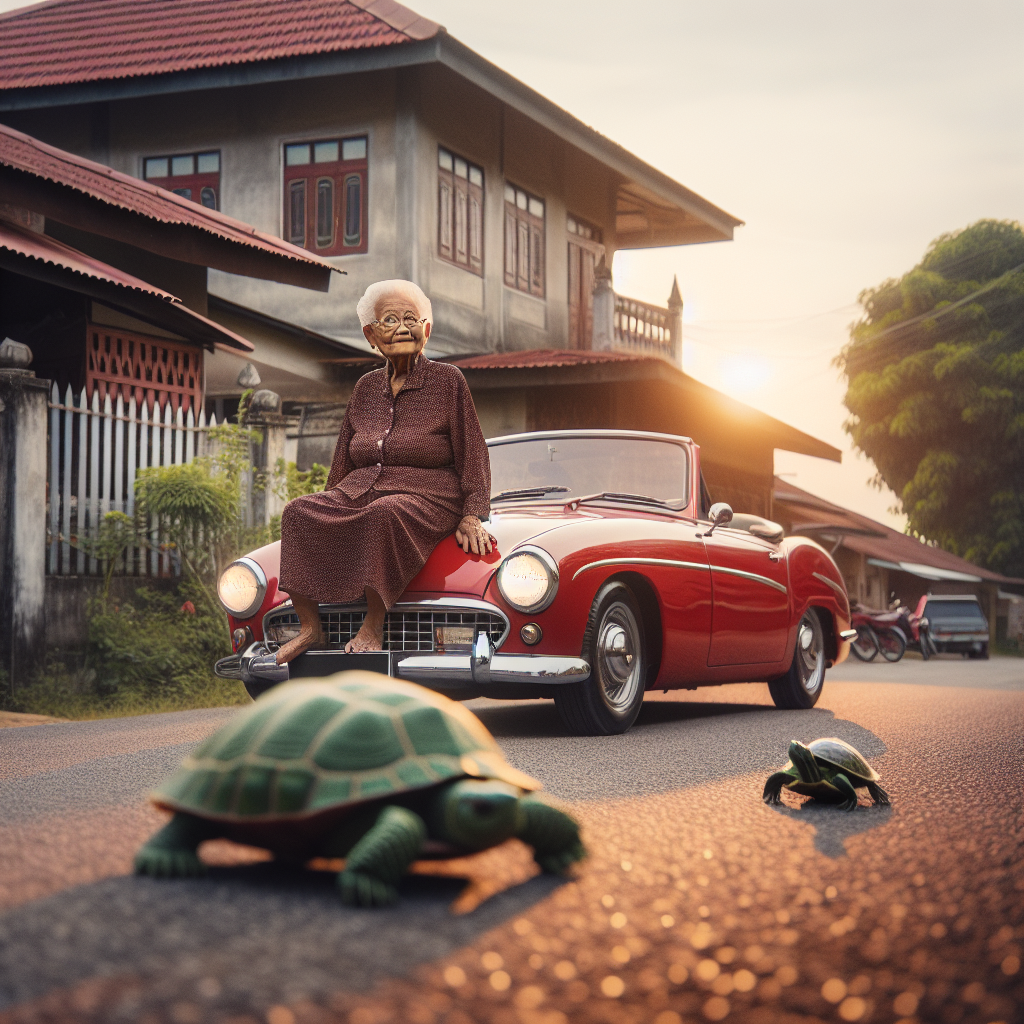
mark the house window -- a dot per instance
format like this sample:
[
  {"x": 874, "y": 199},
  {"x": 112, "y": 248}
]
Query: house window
[
  {"x": 460, "y": 211},
  {"x": 524, "y": 241},
  {"x": 194, "y": 176},
  {"x": 325, "y": 200}
]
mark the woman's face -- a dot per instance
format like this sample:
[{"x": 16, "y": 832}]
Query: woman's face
[{"x": 399, "y": 330}]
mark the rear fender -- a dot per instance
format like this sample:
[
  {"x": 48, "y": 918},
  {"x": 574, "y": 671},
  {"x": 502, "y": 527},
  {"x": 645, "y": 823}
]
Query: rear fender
[{"x": 816, "y": 582}]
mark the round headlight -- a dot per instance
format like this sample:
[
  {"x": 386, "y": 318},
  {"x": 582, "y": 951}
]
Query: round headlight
[
  {"x": 528, "y": 579},
  {"x": 242, "y": 587}
]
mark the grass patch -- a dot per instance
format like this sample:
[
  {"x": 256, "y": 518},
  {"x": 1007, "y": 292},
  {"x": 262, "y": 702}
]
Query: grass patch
[{"x": 150, "y": 654}]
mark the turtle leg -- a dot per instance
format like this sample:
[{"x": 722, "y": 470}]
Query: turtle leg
[
  {"x": 171, "y": 852},
  {"x": 845, "y": 786},
  {"x": 553, "y": 834},
  {"x": 380, "y": 858},
  {"x": 773, "y": 787},
  {"x": 878, "y": 794}
]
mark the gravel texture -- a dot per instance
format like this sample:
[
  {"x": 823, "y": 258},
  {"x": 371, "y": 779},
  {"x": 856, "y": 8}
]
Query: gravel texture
[{"x": 697, "y": 903}]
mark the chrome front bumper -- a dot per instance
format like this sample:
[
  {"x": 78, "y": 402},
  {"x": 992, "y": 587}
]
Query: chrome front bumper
[
  {"x": 485, "y": 668},
  {"x": 482, "y": 667}
]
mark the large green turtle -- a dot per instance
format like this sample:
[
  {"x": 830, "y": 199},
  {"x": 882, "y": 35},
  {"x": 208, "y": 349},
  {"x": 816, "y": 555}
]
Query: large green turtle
[
  {"x": 828, "y": 769},
  {"x": 362, "y": 766}
]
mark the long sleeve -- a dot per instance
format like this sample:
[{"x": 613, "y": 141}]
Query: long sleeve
[
  {"x": 472, "y": 462},
  {"x": 341, "y": 465}
]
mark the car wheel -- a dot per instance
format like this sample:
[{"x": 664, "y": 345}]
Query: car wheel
[
  {"x": 865, "y": 646},
  {"x": 892, "y": 644},
  {"x": 609, "y": 701},
  {"x": 801, "y": 686},
  {"x": 981, "y": 654}
]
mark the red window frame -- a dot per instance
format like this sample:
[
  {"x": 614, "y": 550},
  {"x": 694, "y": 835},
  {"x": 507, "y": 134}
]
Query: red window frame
[
  {"x": 525, "y": 256},
  {"x": 194, "y": 185},
  {"x": 325, "y": 198},
  {"x": 460, "y": 211}
]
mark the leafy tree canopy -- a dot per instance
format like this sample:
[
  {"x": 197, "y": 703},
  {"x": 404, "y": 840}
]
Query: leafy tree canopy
[{"x": 935, "y": 388}]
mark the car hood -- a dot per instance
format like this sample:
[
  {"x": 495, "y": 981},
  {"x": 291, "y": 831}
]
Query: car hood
[{"x": 450, "y": 570}]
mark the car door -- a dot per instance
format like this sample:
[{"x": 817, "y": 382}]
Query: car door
[{"x": 750, "y": 599}]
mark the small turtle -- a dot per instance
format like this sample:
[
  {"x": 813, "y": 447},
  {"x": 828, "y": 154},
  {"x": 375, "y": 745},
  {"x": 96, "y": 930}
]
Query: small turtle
[
  {"x": 828, "y": 769},
  {"x": 362, "y": 766}
]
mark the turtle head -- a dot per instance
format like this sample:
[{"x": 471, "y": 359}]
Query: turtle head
[
  {"x": 477, "y": 813},
  {"x": 803, "y": 760}
]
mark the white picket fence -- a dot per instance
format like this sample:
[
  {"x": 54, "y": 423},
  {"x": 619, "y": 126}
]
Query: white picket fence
[{"x": 95, "y": 453}]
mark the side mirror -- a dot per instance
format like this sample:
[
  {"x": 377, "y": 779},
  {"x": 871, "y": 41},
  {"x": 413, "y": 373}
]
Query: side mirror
[{"x": 720, "y": 515}]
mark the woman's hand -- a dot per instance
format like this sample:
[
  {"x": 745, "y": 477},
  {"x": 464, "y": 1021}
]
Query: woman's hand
[{"x": 470, "y": 533}]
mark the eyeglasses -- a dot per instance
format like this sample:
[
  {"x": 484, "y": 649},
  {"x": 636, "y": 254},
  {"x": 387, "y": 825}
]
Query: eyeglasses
[{"x": 390, "y": 322}]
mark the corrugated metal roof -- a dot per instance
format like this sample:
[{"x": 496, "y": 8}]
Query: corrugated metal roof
[
  {"x": 42, "y": 247},
  {"x": 873, "y": 539},
  {"x": 64, "y": 41},
  {"x": 538, "y": 357},
  {"x": 48, "y": 251},
  {"x": 23, "y": 153}
]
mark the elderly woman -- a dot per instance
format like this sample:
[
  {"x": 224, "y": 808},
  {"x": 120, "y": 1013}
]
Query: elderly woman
[{"x": 410, "y": 468}]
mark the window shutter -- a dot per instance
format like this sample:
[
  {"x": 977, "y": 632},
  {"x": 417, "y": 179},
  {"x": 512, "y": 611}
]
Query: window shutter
[
  {"x": 461, "y": 240},
  {"x": 444, "y": 216},
  {"x": 297, "y": 212}
]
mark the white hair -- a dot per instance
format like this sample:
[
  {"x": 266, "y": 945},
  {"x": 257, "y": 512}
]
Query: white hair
[{"x": 366, "y": 307}]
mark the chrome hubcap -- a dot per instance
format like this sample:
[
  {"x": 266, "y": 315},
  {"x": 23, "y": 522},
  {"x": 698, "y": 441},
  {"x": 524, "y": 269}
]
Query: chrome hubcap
[
  {"x": 810, "y": 654},
  {"x": 619, "y": 666}
]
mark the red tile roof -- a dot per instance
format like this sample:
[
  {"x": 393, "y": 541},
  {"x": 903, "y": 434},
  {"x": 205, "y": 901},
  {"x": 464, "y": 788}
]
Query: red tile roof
[
  {"x": 869, "y": 538},
  {"x": 538, "y": 357},
  {"x": 37, "y": 248},
  {"x": 21, "y": 152},
  {"x": 62, "y": 41}
]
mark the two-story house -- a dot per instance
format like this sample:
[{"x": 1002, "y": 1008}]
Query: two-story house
[{"x": 373, "y": 138}]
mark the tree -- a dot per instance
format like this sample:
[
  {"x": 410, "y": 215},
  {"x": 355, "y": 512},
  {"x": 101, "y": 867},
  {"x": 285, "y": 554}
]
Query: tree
[{"x": 935, "y": 388}]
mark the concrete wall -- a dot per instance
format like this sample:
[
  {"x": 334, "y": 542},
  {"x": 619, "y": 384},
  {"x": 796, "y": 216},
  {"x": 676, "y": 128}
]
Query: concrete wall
[{"x": 67, "y": 598}]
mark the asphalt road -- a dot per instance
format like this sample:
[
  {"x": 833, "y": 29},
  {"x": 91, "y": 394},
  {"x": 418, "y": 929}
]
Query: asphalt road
[{"x": 697, "y": 902}]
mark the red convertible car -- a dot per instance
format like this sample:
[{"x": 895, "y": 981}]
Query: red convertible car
[{"x": 613, "y": 574}]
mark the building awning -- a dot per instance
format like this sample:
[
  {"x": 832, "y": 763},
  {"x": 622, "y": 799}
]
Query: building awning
[
  {"x": 879, "y": 544},
  {"x": 543, "y": 367},
  {"x": 43, "y": 258},
  {"x": 925, "y": 572}
]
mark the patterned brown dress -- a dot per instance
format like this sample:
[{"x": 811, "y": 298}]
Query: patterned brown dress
[{"x": 406, "y": 469}]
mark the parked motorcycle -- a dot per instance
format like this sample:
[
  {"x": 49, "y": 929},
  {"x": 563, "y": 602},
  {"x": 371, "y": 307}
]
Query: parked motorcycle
[{"x": 878, "y": 633}]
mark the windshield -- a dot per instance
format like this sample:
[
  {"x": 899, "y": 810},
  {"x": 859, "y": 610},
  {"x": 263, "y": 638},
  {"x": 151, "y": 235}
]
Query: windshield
[
  {"x": 937, "y": 610},
  {"x": 562, "y": 468}
]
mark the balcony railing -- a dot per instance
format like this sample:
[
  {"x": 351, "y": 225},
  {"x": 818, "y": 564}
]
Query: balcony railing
[
  {"x": 629, "y": 325},
  {"x": 640, "y": 327}
]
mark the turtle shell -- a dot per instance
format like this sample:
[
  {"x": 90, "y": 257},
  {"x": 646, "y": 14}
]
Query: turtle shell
[
  {"x": 308, "y": 747},
  {"x": 840, "y": 754}
]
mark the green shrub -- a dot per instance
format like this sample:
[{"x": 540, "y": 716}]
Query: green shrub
[{"x": 143, "y": 655}]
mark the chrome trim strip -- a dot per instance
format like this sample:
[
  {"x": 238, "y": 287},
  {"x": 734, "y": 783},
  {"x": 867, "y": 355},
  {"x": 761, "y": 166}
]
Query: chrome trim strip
[
  {"x": 846, "y": 634},
  {"x": 751, "y": 576},
  {"x": 439, "y": 669},
  {"x": 682, "y": 565},
  {"x": 841, "y": 591},
  {"x": 641, "y": 561},
  {"x": 261, "y": 587}
]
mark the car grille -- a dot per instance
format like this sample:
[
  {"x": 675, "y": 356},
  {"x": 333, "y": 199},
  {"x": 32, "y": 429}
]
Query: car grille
[{"x": 406, "y": 628}]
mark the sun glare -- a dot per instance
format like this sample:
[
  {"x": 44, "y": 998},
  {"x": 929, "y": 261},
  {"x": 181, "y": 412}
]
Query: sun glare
[{"x": 743, "y": 374}]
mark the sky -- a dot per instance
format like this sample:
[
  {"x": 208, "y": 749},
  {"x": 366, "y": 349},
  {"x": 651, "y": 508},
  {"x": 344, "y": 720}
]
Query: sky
[{"x": 846, "y": 137}]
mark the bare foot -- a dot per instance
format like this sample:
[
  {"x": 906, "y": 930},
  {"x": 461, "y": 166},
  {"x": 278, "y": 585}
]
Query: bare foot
[
  {"x": 307, "y": 638},
  {"x": 365, "y": 640}
]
